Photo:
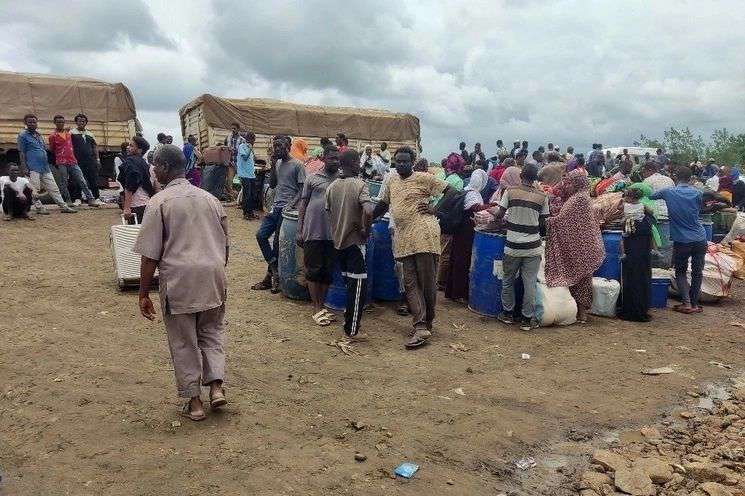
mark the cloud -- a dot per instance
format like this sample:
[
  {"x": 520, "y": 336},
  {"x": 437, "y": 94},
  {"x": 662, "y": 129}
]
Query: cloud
[{"x": 83, "y": 25}]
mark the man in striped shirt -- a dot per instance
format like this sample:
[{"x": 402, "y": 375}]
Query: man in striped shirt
[{"x": 525, "y": 208}]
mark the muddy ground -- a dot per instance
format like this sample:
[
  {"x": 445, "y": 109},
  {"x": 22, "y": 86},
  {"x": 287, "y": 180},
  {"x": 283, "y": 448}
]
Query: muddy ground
[{"x": 88, "y": 401}]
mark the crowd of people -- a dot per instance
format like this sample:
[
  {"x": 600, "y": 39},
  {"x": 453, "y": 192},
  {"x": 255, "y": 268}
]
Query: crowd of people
[{"x": 551, "y": 207}]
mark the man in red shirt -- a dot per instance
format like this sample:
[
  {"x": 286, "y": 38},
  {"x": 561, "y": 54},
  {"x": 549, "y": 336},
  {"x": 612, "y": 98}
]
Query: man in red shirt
[{"x": 60, "y": 144}]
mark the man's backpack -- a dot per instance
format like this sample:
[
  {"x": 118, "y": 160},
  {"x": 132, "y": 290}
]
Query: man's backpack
[{"x": 450, "y": 212}]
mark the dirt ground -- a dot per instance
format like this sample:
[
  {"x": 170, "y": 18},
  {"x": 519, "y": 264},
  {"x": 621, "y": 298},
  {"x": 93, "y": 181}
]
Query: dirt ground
[{"x": 89, "y": 407}]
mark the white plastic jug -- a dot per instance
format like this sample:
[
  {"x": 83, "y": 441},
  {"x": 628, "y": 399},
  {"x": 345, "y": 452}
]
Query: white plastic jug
[{"x": 604, "y": 296}]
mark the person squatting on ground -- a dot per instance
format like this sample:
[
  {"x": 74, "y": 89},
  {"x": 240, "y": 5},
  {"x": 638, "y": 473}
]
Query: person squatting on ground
[
  {"x": 185, "y": 235},
  {"x": 286, "y": 178},
  {"x": 314, "y": 235},
  {"x": 350, "y": 216},
  {"x": 16, "y": 194},
  {"x": 417, "y": 243},
  {"x": 33, "y": 154}
]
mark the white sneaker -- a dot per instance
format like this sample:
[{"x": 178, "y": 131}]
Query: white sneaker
[
  {"x": 77, "y": 203},
  {"x": 95, "y": 203}
]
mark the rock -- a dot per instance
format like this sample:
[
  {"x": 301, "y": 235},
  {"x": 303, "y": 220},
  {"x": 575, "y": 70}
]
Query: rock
[
  {"x": 634, "y": 482},
  {"x": 706, "y": 472},
  {"x": 360, "y": 457},
  {"x": 658, "y": 371},
  {"x": 657, "y": 470},
  {"x": 594, "y": 480},
  {"x": 358, "y": 426},
  {"x": 588, "y": 492},
  {"x": 650, "y": 433},
  {"x": 687, "y": 415},
  {"x": 714, "y": 489},
  {"x": 450, "y": 482},
  {"x": 675, "y": 481},
  {"x": 608, "y": 460}
]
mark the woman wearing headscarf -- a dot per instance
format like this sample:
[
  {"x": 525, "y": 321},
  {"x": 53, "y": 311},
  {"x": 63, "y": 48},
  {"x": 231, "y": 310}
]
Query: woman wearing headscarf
[
  {"x": 299, "y": 149},
  {"x": 636, "y": 261},
  {"x": 456, "y": 285},
  {"x": 314, "y": 163},
  {"x": 453, "y": 166},
  {"x": 574, "y": 245},
  {"x": 738, "y": 189},
  {"x": 510, "y": 179}
]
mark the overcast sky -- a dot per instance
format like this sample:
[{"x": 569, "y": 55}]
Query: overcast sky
[{"x": 567, "y": 71}]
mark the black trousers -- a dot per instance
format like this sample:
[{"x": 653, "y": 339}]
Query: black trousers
[
  {"x": 247, "y": 185},
  {"x": 15, "y": 206},
  {"x": 354, "y": 271},
  {"x": 90, "y": 171}
]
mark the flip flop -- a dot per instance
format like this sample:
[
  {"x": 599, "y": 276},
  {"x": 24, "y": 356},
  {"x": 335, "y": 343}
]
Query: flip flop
[
  {"x": 684, "y": 310},
  {"x": 321, "y": 319},
  {"x": 403, "y": 311},
  {"x": 186, "y": 412},
  {"x": 697, "y": 310}
]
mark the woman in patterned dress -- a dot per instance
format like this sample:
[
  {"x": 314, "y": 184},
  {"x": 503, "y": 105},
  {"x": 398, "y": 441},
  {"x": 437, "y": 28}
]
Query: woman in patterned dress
[{"x": 574, "y": 245}]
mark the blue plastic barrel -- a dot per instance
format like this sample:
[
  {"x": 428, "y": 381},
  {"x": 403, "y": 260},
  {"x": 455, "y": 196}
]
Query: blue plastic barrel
[
  {"x": 611, "y": 268},
  {"x": 658, "y": 293},
  {"x": 336, "y": 296},
  {"x": 288, "y": 266},
  {"x": 485, "y": 289},
  {"x": 374, "y": 188},
  {"x": 385, "y": 286}
]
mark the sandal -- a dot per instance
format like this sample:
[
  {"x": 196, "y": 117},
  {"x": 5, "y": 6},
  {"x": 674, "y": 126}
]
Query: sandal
[
  {"x": 403, "y": 311},
  {"x": 321, "y": 319},
  {"x": 419, "y": 338},
  {"x": 684, "y": 310},
  {"x": 697, "y": 310},
  {"x": 186, "y": 412},
  {"x": 218, "y": 400}
]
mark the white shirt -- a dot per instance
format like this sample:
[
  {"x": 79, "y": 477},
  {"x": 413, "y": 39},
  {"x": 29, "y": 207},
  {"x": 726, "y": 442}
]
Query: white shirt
[
  {"x": 117, "y": 165},
  {"x": 19, "y": 185}
]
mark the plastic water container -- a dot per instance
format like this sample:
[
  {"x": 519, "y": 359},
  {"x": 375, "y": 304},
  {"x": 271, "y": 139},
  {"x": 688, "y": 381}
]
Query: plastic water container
[
  {"x": 289, "y": 270},
  {"x": 485, "y": 283},
  {"x": 659, "y": 289},
  {"x": 605, "y": 294},
  {"x": 385, "y": 287},
  {"x": 708, "y": 222},
  {"x": 611, "y": 268},
  {"x": 336, "y": 296}
]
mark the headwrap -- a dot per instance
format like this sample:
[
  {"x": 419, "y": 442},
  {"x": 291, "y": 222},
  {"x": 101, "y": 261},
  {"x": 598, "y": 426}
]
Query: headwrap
[
  {"x": 510, "y": 178},
  {"x": 551, "y": 174},
  {"x": 299, "y": 149},
  {"x": 454, "y": 164},
  {"x": 316, "y": 152},
  {"x": 574, "y": 182},
  {"x": 473, "y": 190},
  {"x": 647, "y": 191}
]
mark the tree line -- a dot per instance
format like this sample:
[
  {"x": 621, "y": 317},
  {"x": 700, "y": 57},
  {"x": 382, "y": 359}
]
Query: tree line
[{"x": 683, "y": 147}]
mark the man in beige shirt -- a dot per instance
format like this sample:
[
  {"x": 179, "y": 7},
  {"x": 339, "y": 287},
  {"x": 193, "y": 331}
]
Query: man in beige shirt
[
  {"x": 417, "y": 243},
  {"x": 185, "y": 234}
]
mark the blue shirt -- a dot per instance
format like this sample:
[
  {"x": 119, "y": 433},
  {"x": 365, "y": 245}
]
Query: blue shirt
[
  {"x": 683, "y": 208},
  {"x": 35, "y": 151},
  {"x": 245, "y": 161}
]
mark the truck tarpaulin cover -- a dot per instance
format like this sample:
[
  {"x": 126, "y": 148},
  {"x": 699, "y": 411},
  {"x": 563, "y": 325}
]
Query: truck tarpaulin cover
[
  {"x": 266, "y": 116},
  {"x": 47, "y": 96}
]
